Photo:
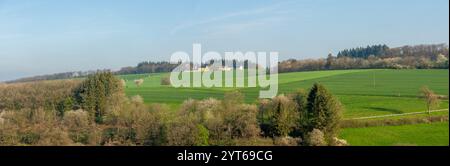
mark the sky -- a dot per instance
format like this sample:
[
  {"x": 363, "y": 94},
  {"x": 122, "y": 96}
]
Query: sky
[{"x": 52, "y": 36}]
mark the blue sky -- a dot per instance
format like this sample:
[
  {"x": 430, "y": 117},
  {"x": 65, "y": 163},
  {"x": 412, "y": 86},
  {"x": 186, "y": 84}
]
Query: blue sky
[{"x": 51, "y": 36}]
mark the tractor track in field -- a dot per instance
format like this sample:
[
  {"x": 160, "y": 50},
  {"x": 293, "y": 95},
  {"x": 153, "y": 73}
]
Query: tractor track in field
[{"x": 394, "y": 115}]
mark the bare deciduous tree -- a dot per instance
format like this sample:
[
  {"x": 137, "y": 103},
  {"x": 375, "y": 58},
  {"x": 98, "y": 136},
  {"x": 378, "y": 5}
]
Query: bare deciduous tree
[{"x": 431, "y": 99}]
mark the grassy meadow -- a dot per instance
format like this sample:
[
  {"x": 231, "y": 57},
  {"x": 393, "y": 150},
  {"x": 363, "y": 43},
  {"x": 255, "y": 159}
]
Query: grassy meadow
[{"x": 427, "y": 134}]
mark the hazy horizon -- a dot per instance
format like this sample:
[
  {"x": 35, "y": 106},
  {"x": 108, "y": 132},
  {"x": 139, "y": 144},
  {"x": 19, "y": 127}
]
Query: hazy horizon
[{"x": 50, "y": 36}]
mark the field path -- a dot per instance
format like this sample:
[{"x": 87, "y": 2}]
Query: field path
[{"x": 393, "y": 115}]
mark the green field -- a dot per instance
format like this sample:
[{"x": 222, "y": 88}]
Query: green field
[
  {"x": 362, "y": 92},
  {"x": 432, "y": 134}
]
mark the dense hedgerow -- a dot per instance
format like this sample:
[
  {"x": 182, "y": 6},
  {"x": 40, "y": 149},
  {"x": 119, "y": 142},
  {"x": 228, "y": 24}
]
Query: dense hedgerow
[
  {"x": 48, "y": 95},
  {"x": 393, "y": 122}
]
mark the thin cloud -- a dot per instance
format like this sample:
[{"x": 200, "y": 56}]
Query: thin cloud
[
  {"x": 245, "y": 26},
  {"x": 257, "y": 11}
]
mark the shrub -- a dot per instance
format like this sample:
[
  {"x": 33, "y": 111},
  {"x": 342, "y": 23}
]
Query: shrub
[
  {"x": 264, "y": 106},
  {"x": 2, "y": 119},
  {"x": 125, "y": 124},
  {"x": 139, "y": 82},
  {"x": 137, "y": 99},
  {"x": 283, "y": 116},
  {"x": 225, "y": 120},
  {"x": 123, "y": 82},
  {"x": 186, "y": 132},
  {"x": 8, "y": 129},
  {"x": 64, "y": 106},
  {"x": 339, "y": 142},
  {"x": 152, "y": 127},
  {"x": 241, "y": 121},
  {"x": 233, "y": 98},
  {"x": 78, "y": 125},
  {"x": 203, "y": 135},
  {"x": 287, "y": 141},
  {"x": 301, "y": 99},
  {"x": 32, "y": 127},
  {"x": 165, "y": 80},
  {"x": 55, "y": 137}
]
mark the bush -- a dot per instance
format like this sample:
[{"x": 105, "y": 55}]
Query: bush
[
  {"x": 339, "y": 142},
  {"x": 257, "y": 141},
  {"x": 203, "y": 136},
  {"x": 137, "y": 100},
  {"x": 64, "y": 106},
  {"x": 123, "y": 82},
  {"x": 79, "y": 127},
  {"x": 241, "y": 121},
  {"x": 128, "y": 125},
  {"x": 186, "y": 132},
  {"x": 32, "y": 127},
  {"x": 139, "y": 82},
  {"x": 165, "y": 80},
  {"x": 55, "y": 137},
  {"x": 301, "y": 99},
  {"x": 287, "y": 141},
  {"x": 225, "y": 120},
  {"x": 315, "y": 138}
]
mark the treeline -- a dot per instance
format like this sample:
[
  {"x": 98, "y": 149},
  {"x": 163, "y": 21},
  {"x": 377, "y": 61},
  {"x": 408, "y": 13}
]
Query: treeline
[
  {"x": 383, "y": 51},
  {"x": 56, "y": 76},
  {"x": 49, "y": 95},
  {"x": 96, "y": 112},
  {"x": 361, "y": 52},
  {"x": 375, "y": 57},
  {"x": 148, "y": 67},
  {"x": 162, "y": 67}
]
